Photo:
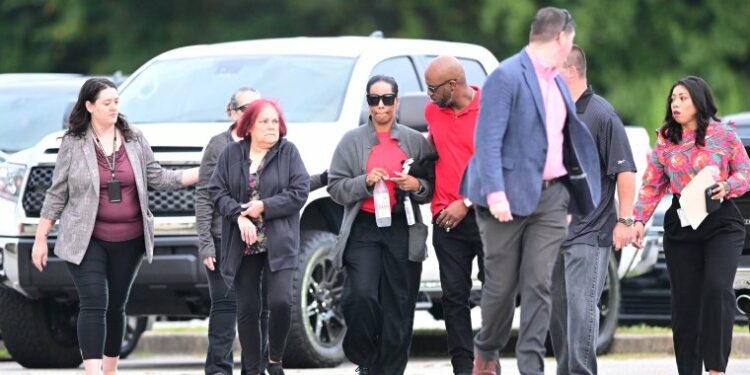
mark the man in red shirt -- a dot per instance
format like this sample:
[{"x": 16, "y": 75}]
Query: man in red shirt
[{"x": 451, "y": 117}]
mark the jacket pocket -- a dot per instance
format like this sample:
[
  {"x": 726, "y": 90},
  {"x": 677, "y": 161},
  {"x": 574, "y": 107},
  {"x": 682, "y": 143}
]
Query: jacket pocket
[{"x": 418, "y": 242}]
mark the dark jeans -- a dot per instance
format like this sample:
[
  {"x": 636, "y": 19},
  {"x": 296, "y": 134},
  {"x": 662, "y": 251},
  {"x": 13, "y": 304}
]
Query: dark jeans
[
  {"x": 379, "y": 295},
  {"x": 456, "y": 251},
  {"x": 702, "y": 264},
  {"x": 103, "y": 281},
  {"x": 247, "y": 284},
  {"x": 222, "y": 322}
]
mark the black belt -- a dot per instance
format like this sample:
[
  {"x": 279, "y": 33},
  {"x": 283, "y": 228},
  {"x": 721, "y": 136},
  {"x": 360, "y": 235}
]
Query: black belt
[{"x": 547, "y": 183}]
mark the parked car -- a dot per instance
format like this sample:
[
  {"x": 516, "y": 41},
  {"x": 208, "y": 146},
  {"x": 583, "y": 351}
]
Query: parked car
[{"x": 178, "y": 99}]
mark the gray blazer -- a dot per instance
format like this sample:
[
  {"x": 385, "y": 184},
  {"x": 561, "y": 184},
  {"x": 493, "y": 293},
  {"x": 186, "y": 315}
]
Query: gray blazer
[
  {"x": 347, "y": 187},
  {"x": 73, "y": 197}
]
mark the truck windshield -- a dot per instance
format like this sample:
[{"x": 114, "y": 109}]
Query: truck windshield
[
  {"x": 308, "y": 88},
  {"x": 28, "y": 112}
]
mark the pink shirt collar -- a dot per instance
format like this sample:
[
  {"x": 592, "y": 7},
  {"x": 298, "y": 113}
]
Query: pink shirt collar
[{"x": 542, "y": 70}]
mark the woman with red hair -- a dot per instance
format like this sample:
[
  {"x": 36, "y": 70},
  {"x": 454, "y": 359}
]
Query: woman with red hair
[{"x": 259, "y": 186}]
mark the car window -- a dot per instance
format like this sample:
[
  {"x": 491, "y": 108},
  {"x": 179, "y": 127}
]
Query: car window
[
  {"x": 402, "y": 69},
  {"x": 475, "y": 74},
  {"x": 308, "y": 88},
  {"x": 29, "y": 113}
]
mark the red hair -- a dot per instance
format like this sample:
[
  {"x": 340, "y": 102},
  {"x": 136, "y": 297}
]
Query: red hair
[{"x": 247, "y": 121}]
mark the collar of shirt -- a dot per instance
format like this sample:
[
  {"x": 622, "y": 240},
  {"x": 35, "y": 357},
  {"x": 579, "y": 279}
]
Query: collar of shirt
[
  {"x": 473, "y": 105},
  {"x": 542, "y": 70},
  {"x": 583, "y": 101}
]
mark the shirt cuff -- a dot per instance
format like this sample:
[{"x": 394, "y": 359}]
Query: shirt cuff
[{"x": 498, "y": 196}]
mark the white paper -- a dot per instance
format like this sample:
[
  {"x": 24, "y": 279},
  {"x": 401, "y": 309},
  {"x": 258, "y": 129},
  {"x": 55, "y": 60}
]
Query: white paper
[{"x": 693, "y": 198}]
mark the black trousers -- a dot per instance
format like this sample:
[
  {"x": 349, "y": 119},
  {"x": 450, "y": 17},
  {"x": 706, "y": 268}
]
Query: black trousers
[
  {"x": 222, "y": 321},
  {"x": 379, "y": 295},
  {"x": 456, "y": 251},
  {"x": 247, "y": 284},
  {"x": 103, "y": 281},
  {"x": 702, "y": 264}
]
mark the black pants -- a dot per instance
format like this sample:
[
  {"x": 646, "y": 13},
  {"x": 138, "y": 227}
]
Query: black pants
[
  {"x": 702, "y": 264},
  {"x": 456, "y": 251},
  {"x": 103, "y": 281},
  {"x": 379, "y": 295},
  {"x": 247, "y": 285},
  {"x": 222, "y": 321}
]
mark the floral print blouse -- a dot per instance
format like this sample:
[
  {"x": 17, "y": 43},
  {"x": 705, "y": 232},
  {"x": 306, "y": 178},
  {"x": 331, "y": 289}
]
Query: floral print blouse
[
  {"x": 674, "y": 165},
  {"x": 253, "y": 184}
]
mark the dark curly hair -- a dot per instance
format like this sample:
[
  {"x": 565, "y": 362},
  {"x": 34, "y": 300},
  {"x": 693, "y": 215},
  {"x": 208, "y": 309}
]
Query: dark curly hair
[
  {"x": 703, "y": 100},
  {"x": 80, "y": 118}
]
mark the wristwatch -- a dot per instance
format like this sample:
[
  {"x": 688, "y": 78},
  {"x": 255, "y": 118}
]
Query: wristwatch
[
  {"x": 467, "y": 202},
  {"x": 628, "y": 221}
]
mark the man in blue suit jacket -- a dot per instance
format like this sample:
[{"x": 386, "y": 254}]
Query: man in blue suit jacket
[{"x": 534, "y": 162}]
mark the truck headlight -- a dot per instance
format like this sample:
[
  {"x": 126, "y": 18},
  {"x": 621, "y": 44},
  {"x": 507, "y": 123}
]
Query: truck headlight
[{"x": 11, "y": 180}]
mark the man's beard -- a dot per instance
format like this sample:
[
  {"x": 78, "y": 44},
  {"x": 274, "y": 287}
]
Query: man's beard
[{"x": 445, "y": 102}]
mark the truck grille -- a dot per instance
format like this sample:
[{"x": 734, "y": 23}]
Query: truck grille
[{"x": 161, "y": 203}]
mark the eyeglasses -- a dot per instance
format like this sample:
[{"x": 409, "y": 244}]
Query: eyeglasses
[
  {"x": 242, "y": 108},
  {"x": 434, "y": 88},
  {"x": 568, "y": 19},
  {"x": 388, "y": 99}
]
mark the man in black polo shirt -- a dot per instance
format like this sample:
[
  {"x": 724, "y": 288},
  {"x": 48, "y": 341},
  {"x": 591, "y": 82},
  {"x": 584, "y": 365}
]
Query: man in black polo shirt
[{"x": 581, "y": 268}]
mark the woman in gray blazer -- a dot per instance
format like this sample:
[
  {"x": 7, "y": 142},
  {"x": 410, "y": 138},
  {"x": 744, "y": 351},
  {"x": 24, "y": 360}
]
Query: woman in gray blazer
[
  {"x": 99, "y": 194},
  {"x": 383, "y": 264}
]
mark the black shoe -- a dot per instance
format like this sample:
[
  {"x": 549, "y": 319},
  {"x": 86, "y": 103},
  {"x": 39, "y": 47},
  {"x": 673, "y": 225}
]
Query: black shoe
[
  {"x": 362, "y": 370},
  {"x": 275, "y": 368}
]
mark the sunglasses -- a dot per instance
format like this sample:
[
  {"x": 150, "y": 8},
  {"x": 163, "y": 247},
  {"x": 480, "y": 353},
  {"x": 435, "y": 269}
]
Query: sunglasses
[
  {"x": 388, "y": 99},
  {"x": 568, "y": 19},
  {"x": 242, "y": 108},
  {"x": 435, "y": 88}
]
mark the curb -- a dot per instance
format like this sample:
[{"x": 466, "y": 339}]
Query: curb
[{"x": 196, "y": 343}]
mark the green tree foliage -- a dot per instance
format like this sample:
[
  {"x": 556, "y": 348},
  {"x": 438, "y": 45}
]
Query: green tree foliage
[{"x": 636, "y": 49}]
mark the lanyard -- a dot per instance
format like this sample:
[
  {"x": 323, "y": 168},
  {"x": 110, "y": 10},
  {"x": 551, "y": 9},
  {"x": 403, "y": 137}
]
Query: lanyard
[{"x": 110, "y": 165}]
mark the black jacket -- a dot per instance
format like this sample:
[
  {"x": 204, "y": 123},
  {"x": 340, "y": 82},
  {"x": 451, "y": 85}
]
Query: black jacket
[{"x": 284, "y": 186}]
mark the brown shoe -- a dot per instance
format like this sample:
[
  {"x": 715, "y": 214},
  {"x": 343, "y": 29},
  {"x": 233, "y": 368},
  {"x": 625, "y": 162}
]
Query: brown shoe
[{"x": 483, "y": 366}]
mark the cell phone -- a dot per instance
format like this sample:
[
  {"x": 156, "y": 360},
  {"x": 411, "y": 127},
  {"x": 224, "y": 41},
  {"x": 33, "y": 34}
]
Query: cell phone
[{"x": 712, "y": 204}]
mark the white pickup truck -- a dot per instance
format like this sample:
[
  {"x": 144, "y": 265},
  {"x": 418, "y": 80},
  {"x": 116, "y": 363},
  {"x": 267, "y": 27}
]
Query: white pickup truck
[{"x": 178, "y": 99}]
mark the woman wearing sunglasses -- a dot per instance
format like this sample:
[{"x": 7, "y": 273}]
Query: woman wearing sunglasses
[{"x": 383, "y": 264}]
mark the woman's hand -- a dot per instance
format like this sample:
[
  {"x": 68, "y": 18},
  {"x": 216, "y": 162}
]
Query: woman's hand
[
  {"x": 720, "y": 191},
  {"x": 639, "y": 229},
  {"x": 39, "y": 253},
  {"x": 209, "y": 263},
  {"x": 375, "y": 175},
  {"x": 247, "y": 230},
  {"x": 406, "y": 182},
  {"x": 253, "y": 209}
]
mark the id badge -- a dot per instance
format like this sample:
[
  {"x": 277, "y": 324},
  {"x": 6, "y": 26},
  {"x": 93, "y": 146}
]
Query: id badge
[{"x": 113, "y": 187}]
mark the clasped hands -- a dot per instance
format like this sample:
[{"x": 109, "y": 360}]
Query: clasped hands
[
  {"x": 404, "y": 181},
  {"x": 248, "y": 231}
]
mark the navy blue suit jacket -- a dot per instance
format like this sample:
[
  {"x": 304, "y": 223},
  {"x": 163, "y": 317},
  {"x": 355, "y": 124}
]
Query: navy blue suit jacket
[{"x": 510, "y": 144}]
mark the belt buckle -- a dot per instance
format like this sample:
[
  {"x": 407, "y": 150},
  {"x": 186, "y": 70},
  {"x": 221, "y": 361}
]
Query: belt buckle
[{"x": 546, "y": 184}]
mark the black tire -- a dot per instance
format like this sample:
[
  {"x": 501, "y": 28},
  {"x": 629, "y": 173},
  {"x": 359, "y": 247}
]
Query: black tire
[
  {"x": 609, "y": 308},
  {"x": 317, "y": 324},
  {"x": 134, "y": 328},
  {"x": 38, "y": 334}
]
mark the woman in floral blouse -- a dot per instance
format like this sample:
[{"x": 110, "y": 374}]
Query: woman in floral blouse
[
  {"x": 701, "y": 262},
  {"x": 259, "y": 186}
]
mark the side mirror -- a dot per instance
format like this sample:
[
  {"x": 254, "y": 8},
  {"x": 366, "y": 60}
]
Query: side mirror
[
  {"x": 411, "y": 110},
  {"x": 66, "y": 114}
]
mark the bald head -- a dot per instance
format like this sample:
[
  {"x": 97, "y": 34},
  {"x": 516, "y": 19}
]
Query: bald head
[{"x": 444, "y": 68}]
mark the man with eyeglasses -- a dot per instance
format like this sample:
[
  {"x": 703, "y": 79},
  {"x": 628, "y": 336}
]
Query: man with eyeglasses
[
  {"x": 534, "y": 161},
  {"x": 451, "y": 118},
  {"x": 223, "y": 315}
]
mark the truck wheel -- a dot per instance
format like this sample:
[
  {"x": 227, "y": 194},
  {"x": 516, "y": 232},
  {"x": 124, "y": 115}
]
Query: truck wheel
[
  {"x": 39, "y": 334},
  {"x": 134, "y": 328},
  {"x": 317, "y": 326},
  {"x": 609, "y": 308}
]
